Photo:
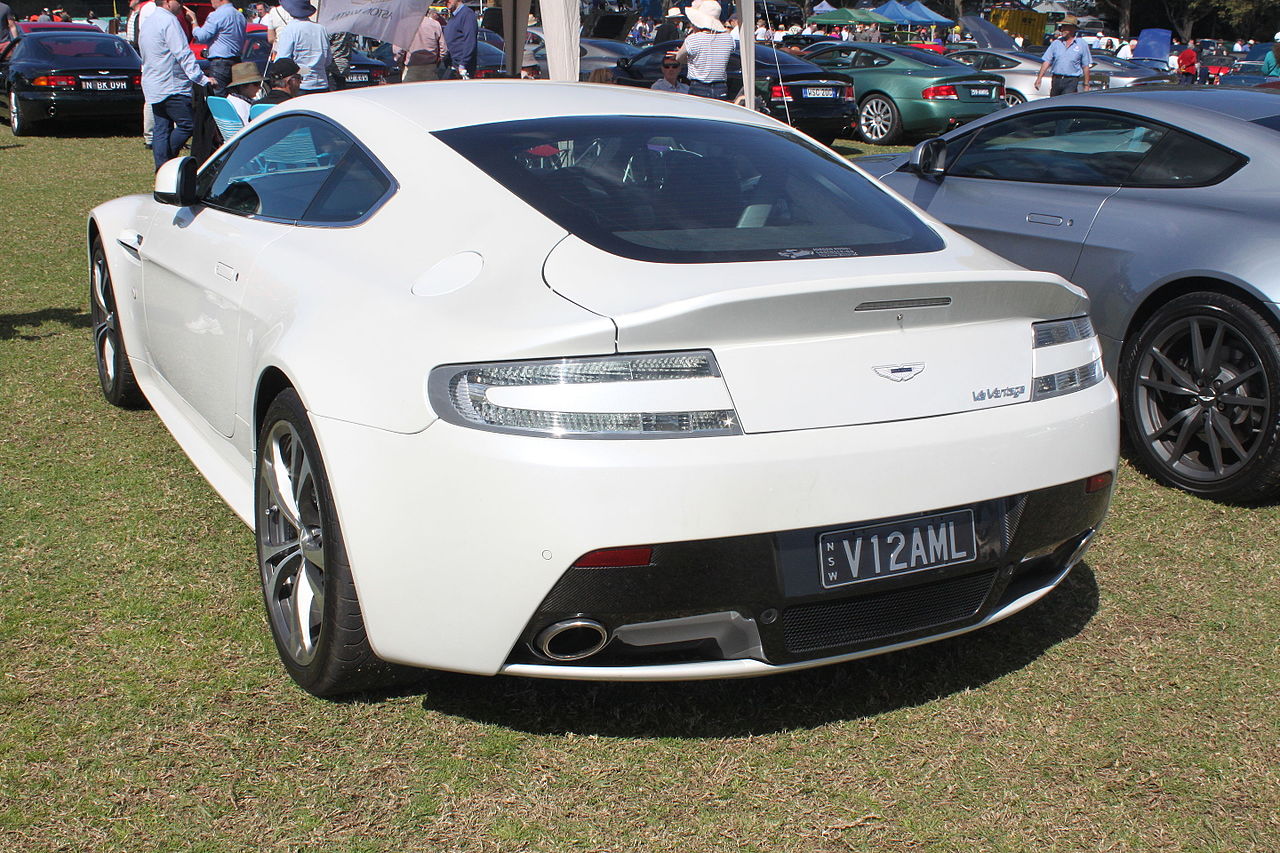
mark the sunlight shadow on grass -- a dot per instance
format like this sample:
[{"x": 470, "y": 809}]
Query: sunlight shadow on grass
[
  {"x": 11, "y": 323},
  {"x": 743, "y": 707}
]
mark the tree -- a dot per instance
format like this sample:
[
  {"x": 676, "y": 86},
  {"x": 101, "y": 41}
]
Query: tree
[
  {"x": 1123, "y": 10},
  {"x": 1185, "y": 14}
]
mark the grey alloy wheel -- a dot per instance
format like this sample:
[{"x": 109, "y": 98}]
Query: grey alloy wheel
[{"x": 1199, "y": 386}]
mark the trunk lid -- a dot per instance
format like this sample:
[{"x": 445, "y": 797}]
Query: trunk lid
[{"x": 805, "y": 344}]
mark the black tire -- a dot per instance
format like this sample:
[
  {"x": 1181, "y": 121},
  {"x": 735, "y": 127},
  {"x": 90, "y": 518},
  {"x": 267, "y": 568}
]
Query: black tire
[
  {"x": 1198, "y": 387},
  {"x": 879, "y": 121},
  {"x": 301, "y": 558},
  {"x": 115, "y": 375},
  {"x": 1012, "y": 98},
  {"x": 19, "y": 124}
]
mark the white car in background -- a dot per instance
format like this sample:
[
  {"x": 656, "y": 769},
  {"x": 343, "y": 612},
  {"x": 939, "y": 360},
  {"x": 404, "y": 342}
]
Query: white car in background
[{"x": 671, "y": 393}]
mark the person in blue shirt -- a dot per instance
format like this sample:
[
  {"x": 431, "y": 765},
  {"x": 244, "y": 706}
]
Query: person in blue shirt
[
  {"x": 1069, "y": 59},
  {"x": 461, "y": 32},
  {"x": 224, "y": 32}
]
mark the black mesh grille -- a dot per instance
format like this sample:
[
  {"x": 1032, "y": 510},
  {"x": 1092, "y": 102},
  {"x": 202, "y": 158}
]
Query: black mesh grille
[{"x": 871, "y": 617}]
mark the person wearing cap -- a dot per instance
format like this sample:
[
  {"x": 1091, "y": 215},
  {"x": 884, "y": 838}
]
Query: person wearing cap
[
  {"x": 672, "y": 26},
  {"x": 243, "y": 88},
  {"x": 420, "y": 60},
  {"x": 306, "y": 43},
  {"x": 223, "y": 31},
  {"x": 707, "y": 50},
  {"x": 168, "y": 71},
  {"x": 1070, "y": 60},
  {"x": 284, "y": 81},
  {"x": 461, "y": 32},
  {"x": 670, "y": 81}
]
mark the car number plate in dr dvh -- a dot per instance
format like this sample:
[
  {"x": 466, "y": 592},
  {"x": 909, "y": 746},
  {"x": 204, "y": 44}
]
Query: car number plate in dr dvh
[
  {"x": 984, "y": 92},
  {"x": 897, "y": 548}
]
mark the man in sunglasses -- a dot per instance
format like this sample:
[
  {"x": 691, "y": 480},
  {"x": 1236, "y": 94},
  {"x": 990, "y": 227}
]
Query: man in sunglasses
[{"x": 670, "y": 81}]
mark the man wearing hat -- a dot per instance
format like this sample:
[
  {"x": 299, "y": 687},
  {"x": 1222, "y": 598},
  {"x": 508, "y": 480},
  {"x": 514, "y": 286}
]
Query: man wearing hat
[
  {"x": 306, "y": 43},
  {"x": 672, "y": 26},
  {"x": 284, "y": 81},
  {"x": 1070, "y": 60},
  {"x": 224, "y": 32},
  {"x": 243, "y": 88},
  {"x": 707, "y": 50}
]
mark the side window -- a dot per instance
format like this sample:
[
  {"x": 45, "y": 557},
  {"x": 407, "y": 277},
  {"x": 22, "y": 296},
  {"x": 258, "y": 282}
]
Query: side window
[
  {"x": 283, "y": 169},
  {"x": 354, "y": 189},
  {"x": 999, "y": 62},
  {"x": 974, "y": 59},
  {"x": 1185, "y": 161},
  {"x": 1083, "y": 147}
]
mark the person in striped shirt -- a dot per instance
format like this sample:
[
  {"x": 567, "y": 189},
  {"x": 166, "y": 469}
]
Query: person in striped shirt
[{"x": 707, "y": 50}]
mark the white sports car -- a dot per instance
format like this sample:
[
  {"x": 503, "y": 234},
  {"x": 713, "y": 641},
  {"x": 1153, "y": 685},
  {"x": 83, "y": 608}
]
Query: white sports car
[{"x": 672, "y": 392}]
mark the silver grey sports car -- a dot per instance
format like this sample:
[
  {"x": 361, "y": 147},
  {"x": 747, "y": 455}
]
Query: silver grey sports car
[{"x": 1162, "y": 203}]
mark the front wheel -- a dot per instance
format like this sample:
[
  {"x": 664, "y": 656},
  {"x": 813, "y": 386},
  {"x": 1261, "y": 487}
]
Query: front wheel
[
  {"x": 306, "y": 579},
  {"x": 879, "y": 121},
  {"x": 115, "y": 375},
  {"x": 1198, "y": 386},
  {"x": 1012, "y": 98}
]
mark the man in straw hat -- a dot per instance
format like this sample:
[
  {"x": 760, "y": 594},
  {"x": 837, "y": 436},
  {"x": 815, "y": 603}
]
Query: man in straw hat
[
  {"x": 243, "y": 89},
  {"x": 707, "y": 50},
  {"x": 672, "y": 26}
]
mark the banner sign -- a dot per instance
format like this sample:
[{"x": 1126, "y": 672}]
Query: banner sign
[{"x": 394, "y": 21}]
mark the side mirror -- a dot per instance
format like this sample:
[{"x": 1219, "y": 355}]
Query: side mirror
[
  {"x": 624, "y": 62},
  {"x": 929, "y": 158},
  {"x": 176, "y": 182}
]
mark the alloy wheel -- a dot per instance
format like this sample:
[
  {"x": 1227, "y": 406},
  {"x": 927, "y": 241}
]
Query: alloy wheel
[
  {"x": 106, "y": 332},
  {"x": 876, "y": 119},
  {"x": 1202, "y": 398},
  {"x": 291, "y": 536}
]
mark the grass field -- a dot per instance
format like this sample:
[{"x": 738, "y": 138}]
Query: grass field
[{"x": 142, "y": 707}]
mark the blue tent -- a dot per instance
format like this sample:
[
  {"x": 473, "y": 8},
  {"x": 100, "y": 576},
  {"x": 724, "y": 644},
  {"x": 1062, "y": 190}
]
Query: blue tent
[
  {"x": 921, "y": 9},
  {"x": 899, "y": 14}
]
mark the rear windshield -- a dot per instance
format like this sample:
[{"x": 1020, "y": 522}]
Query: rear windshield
[
  {"x": 924, "y": 57},
  {"x": 682, "y": 190}
]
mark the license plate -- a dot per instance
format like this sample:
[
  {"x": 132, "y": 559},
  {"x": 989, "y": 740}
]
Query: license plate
[
  {"x": 104, "y": 85},
  {"x": 898, "y": 548},
  {"x": 819, "y": 92},
  {"x": 357, "y": 78},
  {"x": 980, "y": 93}
]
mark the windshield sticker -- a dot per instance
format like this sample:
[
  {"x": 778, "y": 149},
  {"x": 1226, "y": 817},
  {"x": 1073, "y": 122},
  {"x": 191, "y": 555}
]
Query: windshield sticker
[{"x": 819, "y": 252}]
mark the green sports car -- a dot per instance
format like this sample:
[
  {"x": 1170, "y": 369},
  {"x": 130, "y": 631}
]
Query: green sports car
[{"x": 905, "y": 90}]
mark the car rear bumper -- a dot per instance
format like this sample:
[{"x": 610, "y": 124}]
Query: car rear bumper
[
  {"x": 940, "y": 115},
  {"x": 54, "y": 104},
  {"x": 461, "y": 541}
]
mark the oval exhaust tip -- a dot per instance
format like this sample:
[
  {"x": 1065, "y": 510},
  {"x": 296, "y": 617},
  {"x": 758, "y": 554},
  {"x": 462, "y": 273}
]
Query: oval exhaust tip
[{"x": 571, "y": 639}]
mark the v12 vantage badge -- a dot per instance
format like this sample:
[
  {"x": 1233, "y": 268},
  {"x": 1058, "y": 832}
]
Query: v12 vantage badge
[{"x": 1011, "y": 392}]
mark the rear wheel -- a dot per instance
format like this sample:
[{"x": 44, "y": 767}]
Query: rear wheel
[
  {"x": 1012, "y": 98},
  {"x": 114, "y": 373},
  {"x": 1199, "y": 386},
  {"x": 19, "y": 124},
  {"x": 306, "y": 579},
  {"x": 879, "y": 121}
]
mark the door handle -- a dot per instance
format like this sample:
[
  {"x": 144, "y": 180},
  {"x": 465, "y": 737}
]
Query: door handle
[
  {"x": 1045, "y": 219},
  {"x": 229, "y": 273},
  {"x": 130, "y": 241}
]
